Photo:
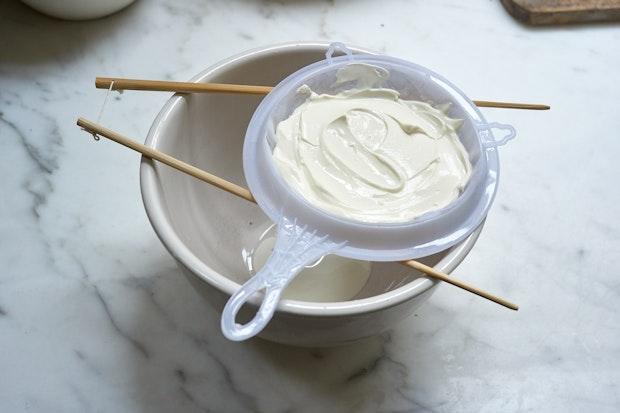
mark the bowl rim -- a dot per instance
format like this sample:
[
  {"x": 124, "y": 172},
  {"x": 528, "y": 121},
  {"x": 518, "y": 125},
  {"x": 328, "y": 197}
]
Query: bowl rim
[{"x": 156, "y": 213}]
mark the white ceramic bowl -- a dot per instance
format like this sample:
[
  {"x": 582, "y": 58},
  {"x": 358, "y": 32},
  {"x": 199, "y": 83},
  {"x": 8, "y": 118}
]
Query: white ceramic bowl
[
  {"x": 205, "y": 229},
  {"x": 78, "y": 9}
]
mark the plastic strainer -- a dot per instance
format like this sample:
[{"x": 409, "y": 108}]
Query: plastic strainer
[{"x": 306, "y": 233}]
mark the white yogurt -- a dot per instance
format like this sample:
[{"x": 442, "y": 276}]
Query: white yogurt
[{"x": 366, "y": 154}]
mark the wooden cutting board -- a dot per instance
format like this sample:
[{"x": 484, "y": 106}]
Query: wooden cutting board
[{"x": 539, "y": 12}]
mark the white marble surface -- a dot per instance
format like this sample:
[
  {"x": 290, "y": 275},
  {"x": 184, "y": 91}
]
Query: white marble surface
[{"x": 94, "y": 315}]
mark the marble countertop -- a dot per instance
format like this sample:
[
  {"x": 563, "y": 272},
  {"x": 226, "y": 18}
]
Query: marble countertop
[{"x": 95, "y": 316}]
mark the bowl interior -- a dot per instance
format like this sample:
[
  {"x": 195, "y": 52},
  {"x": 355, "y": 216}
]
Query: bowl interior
[{"x": 207, "y": 130}]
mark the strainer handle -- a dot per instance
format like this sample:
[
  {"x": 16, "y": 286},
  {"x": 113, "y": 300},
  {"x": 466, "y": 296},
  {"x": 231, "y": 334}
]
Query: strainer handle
[
  {"x": 295, "y": 248},
  {"x": 335, "y": 46},
  {"x": 489, "y": 138}
]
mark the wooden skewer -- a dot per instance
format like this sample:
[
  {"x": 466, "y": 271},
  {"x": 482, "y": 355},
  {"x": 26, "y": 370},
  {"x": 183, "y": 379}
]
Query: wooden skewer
[
  {"x": 189, "y": 87},
  {"x": 182, "y": 87},
  {"x": 433, "y": 273},
  {"x": 509, "y": 105},
  {"x": 234, "y": 189},
  {"x": 167, "y": 159}
]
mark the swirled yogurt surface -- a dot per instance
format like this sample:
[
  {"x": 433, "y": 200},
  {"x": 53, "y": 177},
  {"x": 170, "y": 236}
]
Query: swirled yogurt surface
[{"x": 367, "y": 155}]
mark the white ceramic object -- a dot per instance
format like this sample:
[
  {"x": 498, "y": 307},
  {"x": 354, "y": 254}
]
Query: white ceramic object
[
  {"x": 78, "y": 9},
  {"x": 206, "y": 229}
]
